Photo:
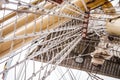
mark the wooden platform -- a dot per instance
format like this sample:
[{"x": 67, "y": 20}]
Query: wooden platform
[{"x": 109, "y": 68}]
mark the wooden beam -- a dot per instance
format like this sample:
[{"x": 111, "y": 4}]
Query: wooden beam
[
  {"x": 12, "y": 14},
  {"x": 22, "y": 21},
  {"x": 113, "y": 26}
]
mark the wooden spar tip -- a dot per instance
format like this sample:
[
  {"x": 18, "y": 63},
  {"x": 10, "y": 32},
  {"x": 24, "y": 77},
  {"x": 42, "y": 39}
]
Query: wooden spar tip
[{"x": 57, "y": 1}]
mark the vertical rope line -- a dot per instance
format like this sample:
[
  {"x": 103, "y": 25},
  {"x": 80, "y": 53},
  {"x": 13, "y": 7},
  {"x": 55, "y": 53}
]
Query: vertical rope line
[{"x": 1, "y": 25}]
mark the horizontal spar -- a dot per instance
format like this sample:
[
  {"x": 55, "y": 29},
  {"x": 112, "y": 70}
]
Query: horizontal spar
[
  {"x": 113, "y": 26},
  {"x": 22, "y": 21},
  {"x": 12, "y": 14},
  {"x": 5, "y": 47}
]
